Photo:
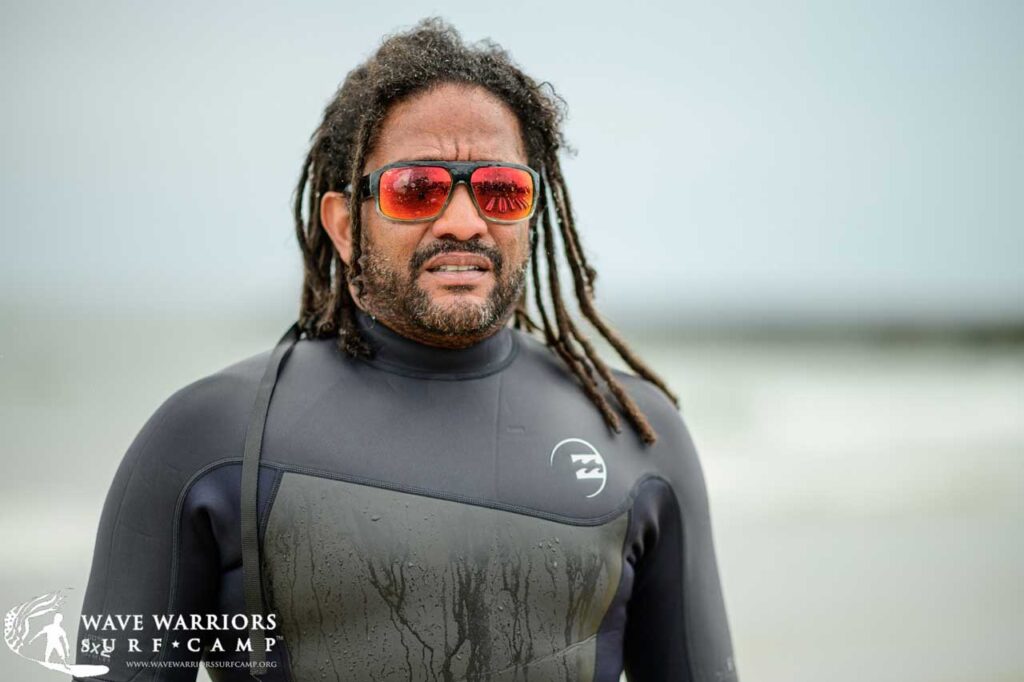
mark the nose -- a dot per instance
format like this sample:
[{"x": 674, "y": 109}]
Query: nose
[{"x": 460, "y": 218}]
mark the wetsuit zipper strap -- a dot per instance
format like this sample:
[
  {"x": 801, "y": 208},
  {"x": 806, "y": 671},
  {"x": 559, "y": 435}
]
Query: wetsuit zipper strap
[{"x": 252, "y": 583}]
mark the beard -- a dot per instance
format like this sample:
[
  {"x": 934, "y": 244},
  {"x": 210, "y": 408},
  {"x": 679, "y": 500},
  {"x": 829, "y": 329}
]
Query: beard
[{"x": 397, "y": 298}]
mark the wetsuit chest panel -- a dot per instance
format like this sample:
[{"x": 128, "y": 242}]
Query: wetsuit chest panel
[{"x": 375, "y": 584}]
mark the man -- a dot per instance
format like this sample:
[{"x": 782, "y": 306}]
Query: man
[{"x": 415, "y": 489}]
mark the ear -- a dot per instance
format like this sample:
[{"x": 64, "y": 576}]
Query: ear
[{"x": 335, "y": 217}]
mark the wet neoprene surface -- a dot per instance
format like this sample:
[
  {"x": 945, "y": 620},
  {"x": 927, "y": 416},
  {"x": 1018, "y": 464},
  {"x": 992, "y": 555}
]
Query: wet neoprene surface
[{"x": 430, "y": 514}]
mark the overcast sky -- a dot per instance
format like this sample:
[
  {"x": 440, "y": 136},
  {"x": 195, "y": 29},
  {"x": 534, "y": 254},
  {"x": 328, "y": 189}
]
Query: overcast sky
[{"x": 780, "y": 159}]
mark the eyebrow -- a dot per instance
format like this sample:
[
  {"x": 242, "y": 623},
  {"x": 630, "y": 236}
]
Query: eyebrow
[{"x": 429, "y": 157}]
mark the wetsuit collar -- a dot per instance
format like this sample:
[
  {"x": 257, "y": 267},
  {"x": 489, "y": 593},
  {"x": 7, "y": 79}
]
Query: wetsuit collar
[{"x": 402, "y": 355}]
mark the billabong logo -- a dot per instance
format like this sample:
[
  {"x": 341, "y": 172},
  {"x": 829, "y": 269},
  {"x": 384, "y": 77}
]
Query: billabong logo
[
  {"x": 586, "y": 460},
  {"x": 18, "y": 626}
]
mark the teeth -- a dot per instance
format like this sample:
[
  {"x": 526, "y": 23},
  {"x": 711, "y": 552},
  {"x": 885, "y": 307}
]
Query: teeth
[{"x": 456, "y": 268}]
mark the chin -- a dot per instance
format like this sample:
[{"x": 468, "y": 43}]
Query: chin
[
  {"x": 459, "y": 318},
  {"x": 457, "y": 299}
]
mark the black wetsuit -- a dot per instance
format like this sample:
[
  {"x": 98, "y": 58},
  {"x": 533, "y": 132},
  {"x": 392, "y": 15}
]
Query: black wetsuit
[{"x": 429, "y": 514}]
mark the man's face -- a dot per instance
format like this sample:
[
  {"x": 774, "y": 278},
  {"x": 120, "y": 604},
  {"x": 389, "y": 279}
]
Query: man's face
[{"x": 403, "y": 287}]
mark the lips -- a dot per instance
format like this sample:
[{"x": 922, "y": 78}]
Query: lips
[
  {"x": 458, "y": 269},
  {"x": 458, "y": 262}
]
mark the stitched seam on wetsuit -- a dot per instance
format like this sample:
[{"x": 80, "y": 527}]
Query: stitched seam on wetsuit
[
  {"x": 692, "y": 662},
  {"x": 531, "y": 663},
  {"x": 637, "y": 584},
  {"x": 642, "y": 580},
  {"x": 264, "y": 592},
  {"x": 623, "y": 506},
  {"x": 626, "y": 538},
  {"x": 391, "y": 368},
  {"x": 274, "y": 486},
  {"x": 175, "y": 533}
]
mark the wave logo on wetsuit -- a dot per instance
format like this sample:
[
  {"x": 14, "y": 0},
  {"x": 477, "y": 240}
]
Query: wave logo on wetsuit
[
  {"x": 18, "y": 627},
  {"x": 586, "y": 461}
]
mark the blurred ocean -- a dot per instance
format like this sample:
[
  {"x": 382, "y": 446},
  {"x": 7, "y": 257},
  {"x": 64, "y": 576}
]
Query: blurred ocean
[{"x": 866, "y": 496}]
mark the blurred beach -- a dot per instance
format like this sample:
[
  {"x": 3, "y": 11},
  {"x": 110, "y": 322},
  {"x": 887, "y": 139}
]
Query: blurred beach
[{"x": 866, "y": 495}]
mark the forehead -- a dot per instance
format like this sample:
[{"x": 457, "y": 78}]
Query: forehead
[{"x": 451, "y": 122}]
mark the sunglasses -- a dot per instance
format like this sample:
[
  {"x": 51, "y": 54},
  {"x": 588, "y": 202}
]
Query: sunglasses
[{"x": 419, "y": 191}]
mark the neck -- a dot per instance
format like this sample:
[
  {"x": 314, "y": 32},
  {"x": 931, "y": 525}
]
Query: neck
[{"x": 398, "y": 352}]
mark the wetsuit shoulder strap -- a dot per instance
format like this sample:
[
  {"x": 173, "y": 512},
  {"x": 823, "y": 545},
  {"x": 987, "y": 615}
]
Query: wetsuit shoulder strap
[{"x": 252, "y": 583}]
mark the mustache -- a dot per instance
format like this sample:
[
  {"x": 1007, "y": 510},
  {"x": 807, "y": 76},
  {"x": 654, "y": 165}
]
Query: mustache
[{"x": 449, "y": 245}]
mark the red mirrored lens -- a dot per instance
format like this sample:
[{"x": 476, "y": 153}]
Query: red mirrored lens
[
  {"x": 503, "y": 193},
  {"x": 414, "y": 192}
]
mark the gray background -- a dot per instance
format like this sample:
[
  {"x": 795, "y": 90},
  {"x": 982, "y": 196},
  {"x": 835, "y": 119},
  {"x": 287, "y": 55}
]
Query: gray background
[{"x": 820, "y": 248}]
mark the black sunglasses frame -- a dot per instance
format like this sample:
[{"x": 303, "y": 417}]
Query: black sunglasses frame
[{"x": 460, "y": 172}]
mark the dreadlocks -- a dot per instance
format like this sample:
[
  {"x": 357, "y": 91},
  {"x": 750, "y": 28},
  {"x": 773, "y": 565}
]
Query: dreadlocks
[{"x": 408, "y": 63}]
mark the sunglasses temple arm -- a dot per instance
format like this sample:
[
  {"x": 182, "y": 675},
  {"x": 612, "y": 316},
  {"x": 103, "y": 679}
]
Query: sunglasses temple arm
[{"x": 364, "y": 183}]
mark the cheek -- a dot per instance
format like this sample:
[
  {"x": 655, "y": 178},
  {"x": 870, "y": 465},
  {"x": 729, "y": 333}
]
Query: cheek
[
  {"x": 523, "y": 245},
  {"x": 514, "y": 242},
  {"x": 393, "y": 243}
]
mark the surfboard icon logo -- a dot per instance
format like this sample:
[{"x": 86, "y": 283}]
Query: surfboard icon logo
[
  {"x": 586, "y": 461},
  {"x": 21, "y": 629}
]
